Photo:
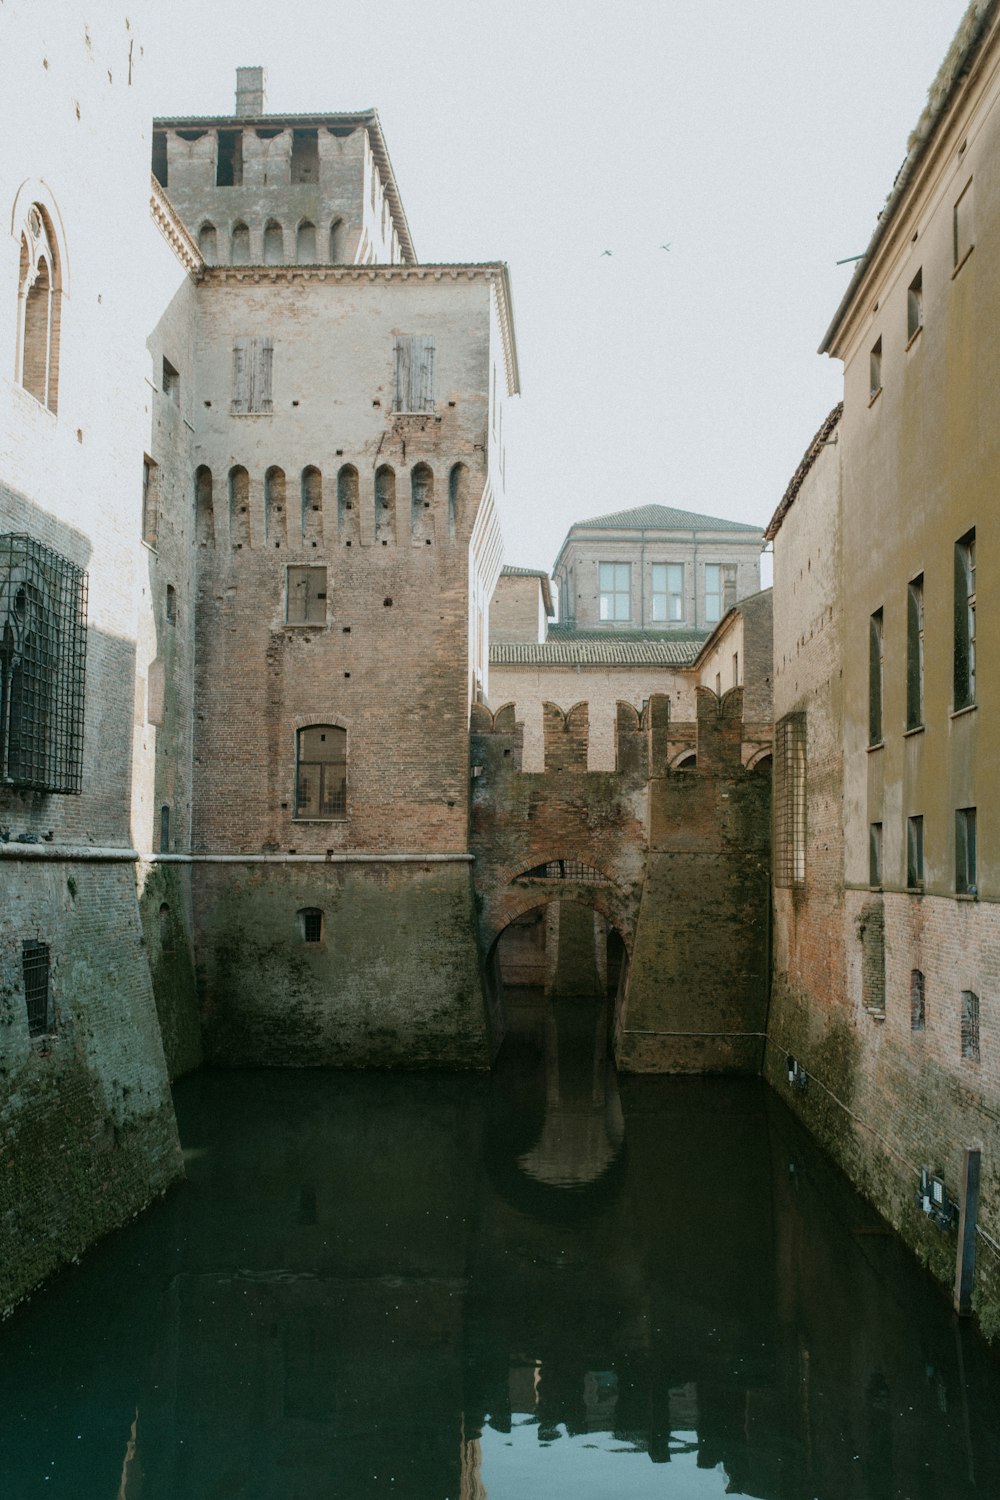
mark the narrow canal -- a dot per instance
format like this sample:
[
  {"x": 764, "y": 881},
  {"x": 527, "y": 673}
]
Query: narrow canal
[{"x": 542, "y": 1284}]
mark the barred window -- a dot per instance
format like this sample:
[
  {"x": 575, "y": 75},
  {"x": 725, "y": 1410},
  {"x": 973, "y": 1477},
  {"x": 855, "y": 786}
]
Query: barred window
[
  {"x": 311, "y": 924},
  {"x": 43, "y": 652},
  {"x": 790, "y": 800},
  {"x": 321, "y": 772},
  {"x": 565, "y": 869},
  {"x": 918, "y": 1008},
  {"x": 970, "y": 1025},
  {"x": 35, "y": 965}
]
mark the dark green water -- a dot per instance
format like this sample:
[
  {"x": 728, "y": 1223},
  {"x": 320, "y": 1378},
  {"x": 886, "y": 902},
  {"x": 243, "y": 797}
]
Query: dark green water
[{"x": 521, "y": 1286}]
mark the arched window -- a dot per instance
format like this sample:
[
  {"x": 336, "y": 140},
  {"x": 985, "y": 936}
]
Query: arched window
[
  {"x": 385, "y": 505},
  {"x": 204, "y": 510},
  {"x": 38, "y": 307},
  {"x": 239, "y": 253},
  {"x": 321, "y": 772},
  {"x": 274, "y": 506},
  {"x": 348, "y": 516},
  {"x": 208, "y": 244},
  {"x": 305, "y": 244},
  {"x": 338, "y": 242},
  {"x": 421, "y": 503},
  {"x": 274, "y": 243},
  {"x": 312, "y": 505},
  {"x": 239, "y": 507}
]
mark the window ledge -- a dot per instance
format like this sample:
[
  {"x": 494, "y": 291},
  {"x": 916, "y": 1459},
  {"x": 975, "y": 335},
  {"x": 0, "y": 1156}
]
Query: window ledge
[
  {"x": 969, "y": 708},
  {"x": 306, "y": 625},
  {"x": 873, "y": 396},
  {"x": 913, "y": 337},
  {"x": 966, "y": 895},
  {"x": 876, "y": 1015},
  {"x": 917, "y": 729},
  {"x": 962, "y": 261},
  {"x": 878, "y": 745},
  {"x": 915, "y": 890},
  {"x": 320, "y": 820}
]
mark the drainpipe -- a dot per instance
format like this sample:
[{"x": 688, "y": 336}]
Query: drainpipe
[
  {"x": 696, "y": 580},
  {"x": 642, "y": 579}
]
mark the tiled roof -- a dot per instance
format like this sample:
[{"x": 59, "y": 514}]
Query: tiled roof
[
  {"x": 604, "y": 633},
  {"x": 613, "y": 651},
  {"x": 509, "y": 571},
  {"x": 662, "y": 518},
  {"x": 799, "y": 477}
]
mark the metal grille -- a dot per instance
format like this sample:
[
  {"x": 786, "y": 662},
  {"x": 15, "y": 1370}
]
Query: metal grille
[
  {"x": 43, "y": 655},
  {"x": 790, "y": 800},
  {"x": 918, "y": 1013},
  {"x": 312, "y": 924},
  {"x": 970, "y": 1025},
  {"x": 566, "y": 869},
  {"x": 35, "y": 960}
]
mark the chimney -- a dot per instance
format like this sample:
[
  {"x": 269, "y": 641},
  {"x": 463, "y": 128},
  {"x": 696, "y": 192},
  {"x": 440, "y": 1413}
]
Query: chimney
[{"x": 250, "y": 85}]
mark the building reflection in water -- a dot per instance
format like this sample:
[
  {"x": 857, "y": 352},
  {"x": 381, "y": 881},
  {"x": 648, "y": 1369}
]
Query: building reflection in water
[{"x": 542, "y": 1283}]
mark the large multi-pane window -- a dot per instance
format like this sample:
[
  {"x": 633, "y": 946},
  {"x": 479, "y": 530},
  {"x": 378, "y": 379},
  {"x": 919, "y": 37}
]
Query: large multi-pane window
[
  {"x": 614, "y": 585},
  {"x": 668, "y": 593},
  {"x": 965, "y": 621},
  {"x": 790, "y": 800},
  {"x": 321, "y": 772}
]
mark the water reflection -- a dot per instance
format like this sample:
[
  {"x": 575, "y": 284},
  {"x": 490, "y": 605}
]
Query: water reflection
[{"x": 453, "y": 1288}]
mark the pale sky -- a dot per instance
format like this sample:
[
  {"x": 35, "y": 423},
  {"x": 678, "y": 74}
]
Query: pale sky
[{"x": 757, "y": 140}]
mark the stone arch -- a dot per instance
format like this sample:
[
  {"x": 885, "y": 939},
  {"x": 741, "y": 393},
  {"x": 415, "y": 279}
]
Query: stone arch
[
  {"x": 348, "y": 506},
  {"x": 305, "y": 243},
  {"x": 458, "y": 499},
  {"x": 274, "y": 243},
  {"x": 338, "y": 242},
  {"x": 203, "y": 506},
  {"x": 208, "y": 243},
  {"x": 239, "y": 506},
  {"x": 385, "y": 505},
  {"x": 685, "y": 759},
  {"x": 761, "y": 760},
  {"x": 275, "y": 506},
  {"x": 312, "y": 506},
  {"x": 421, "y": 503},
  {"x": 41, "y": 283},
  {"x": 239, "y": 244}
]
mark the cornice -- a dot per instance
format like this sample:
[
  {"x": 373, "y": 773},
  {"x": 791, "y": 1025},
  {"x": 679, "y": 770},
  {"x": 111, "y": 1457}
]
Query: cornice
[{"x": 173, "y": 231}]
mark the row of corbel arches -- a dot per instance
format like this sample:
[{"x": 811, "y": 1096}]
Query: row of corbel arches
[
  {"x": 310, "y": 245},
  {"x": 310, "y": 510}
]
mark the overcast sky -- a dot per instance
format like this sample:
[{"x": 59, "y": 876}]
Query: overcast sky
[{"x": 757, "y": 140}]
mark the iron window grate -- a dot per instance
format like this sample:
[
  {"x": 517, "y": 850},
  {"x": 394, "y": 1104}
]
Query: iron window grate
[
  {"x": 790, "y": 800},
  {"x": 43, "y": 655},
  {"x": 35, "y": 962}
]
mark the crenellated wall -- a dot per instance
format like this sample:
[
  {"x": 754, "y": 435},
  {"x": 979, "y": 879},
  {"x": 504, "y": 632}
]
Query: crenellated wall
[{"x": 676, "y": 859}]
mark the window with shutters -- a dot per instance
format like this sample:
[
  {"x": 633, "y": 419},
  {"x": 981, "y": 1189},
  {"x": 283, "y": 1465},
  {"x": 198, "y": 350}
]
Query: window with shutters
[
  {"x": 668, "y": 593},
  {"x": 962, "y": 226},
  {"x": 875, "y": 854},
  {"x": 915, "y": 305},
  {"x": 43, "y": 652},
  {"x": 875, "y": 671},
  {"x": 306, "y": 596},
  {"x": 413, "y": 358},
  {"x": 253, "y": 361},
  {"x": 875, "y": 369},
  {"x": 915, "y": 853},
  {"x": 149, "y": 499},
  {"x": 321, "y": 772},
  {"x": 915, "y": 653},
  {"x": 965, "y": 621}
]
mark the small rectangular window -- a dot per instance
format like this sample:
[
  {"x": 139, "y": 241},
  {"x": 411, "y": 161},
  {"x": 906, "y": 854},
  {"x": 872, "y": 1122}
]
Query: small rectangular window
[
  {"x": 720, "y": 590},
  {"x": 915, "y": 853},
  {"x": 149, "y": 505},
  {"x": 413, "y": 373},
  {"x": 171, "y": 381},
  {"x": 311, "y": 924},
  {"x": 918, "y": 1012},
  {"x": 915, "y": 305},
  {"x": 35, "y": 967},
  {"x": 965, "y": 851},
  {"x": 915, "y": 653},
  {"x": 965, "y": 621},
  {"x": 963, "y": 240},
  {"x": 970, "y": 1025},
  {"x": 253, "y": 365},
  {"x": 875, "y": 368},
  {"x": 736, "y": 669},
  {"x": 306, "y": 596},
  {"x": 875, "y": 854},
  {"x": 668, "y": 593},
  {"x": 614, "y": 584},
  {"x": 171, "y": 604},
  {"x": 229, "y": 161},
  {"x": 875, "y": 669}
]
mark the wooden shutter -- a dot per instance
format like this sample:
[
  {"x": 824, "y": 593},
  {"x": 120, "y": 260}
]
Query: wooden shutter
[
  {"x": 265, "y": 361},
  {"x": 401, "y": 398},
  {"x": 240, "y": 376},
  {"x": 914, "y": 706},
  {"x": 422, "y": 373},
  {"x": 962, "y": 683}
]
